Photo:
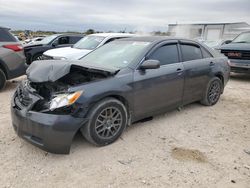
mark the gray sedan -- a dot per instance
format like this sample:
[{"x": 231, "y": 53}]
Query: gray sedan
[{"x": 119, "y": 83}]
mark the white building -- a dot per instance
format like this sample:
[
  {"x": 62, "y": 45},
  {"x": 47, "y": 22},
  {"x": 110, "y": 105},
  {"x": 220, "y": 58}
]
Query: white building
[{"x": 208, "y": 31}]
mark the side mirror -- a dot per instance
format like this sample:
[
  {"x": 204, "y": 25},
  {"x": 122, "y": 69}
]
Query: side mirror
[{"x": 150, "y": 64}]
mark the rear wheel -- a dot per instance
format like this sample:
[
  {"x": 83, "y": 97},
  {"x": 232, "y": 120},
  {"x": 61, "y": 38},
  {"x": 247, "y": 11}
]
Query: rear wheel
[
  {"x": 213, "y": 92},
  {"x": 107, "y": 121},
  {"x": 2, "y": 79}
]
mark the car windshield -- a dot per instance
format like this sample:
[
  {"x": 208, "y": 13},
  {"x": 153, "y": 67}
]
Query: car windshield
[
  {"x": 117, "y": 54},
  {"x": 242, "y": 38},
  {"x": 48, "y": 39},
  {"x": 89, "y": 42}
]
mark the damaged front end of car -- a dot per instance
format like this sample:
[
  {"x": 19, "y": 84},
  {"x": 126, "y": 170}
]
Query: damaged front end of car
[{"x": 45, "y": 108}]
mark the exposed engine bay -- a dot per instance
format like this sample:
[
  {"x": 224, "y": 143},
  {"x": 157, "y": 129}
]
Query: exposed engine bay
[{"x": 77, "y": 75}]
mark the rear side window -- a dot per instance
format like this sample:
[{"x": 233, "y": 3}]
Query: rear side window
[
  {"x": 190, "y": 52},
  {"x": 167, "y": 54},
  {"x": 6, "y": 36},
  {"x": 110, "y": 40},
  {"x": 74, "y": 39},
  {"x": 205, "y": 53}
]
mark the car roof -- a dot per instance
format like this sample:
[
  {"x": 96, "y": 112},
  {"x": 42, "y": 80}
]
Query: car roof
[
  {"x": 4, "y": 28},
  {"x": 112, "y": 34},
  {"x": 67, "y": 34},
  {"x": 154, "y": 39}
]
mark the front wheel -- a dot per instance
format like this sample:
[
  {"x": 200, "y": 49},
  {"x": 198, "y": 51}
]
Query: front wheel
[
  {"x": 107, "y": 121},
  {"x": 213, "y": 92}
]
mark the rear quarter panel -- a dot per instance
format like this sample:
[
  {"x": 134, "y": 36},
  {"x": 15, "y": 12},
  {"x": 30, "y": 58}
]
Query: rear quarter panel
[
  {"x": 12, "y": 59},
  {"x": 222, "y": 68}
]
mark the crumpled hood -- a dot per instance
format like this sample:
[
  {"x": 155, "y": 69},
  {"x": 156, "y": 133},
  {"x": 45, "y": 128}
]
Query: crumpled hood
[
  {"x": 236, "y": 46},
  {"x": 68, "y": 52},
  {"x": 52, "y": 70}
]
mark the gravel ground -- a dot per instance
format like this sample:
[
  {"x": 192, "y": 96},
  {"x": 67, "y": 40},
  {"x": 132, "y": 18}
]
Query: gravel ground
[{"x": 195, "y": 147}]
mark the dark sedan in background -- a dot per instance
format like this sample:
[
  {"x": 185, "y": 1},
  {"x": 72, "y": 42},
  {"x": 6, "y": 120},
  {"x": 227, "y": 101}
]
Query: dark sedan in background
[
  {"x": 35, "y": 51},
  {"x": 119, "y": 83},
  {"x": 238, "y": 51}
]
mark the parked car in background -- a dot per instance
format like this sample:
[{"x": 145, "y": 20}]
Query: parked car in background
[
  {"x": 113, "y": 86},
  {"x": 216, "y": 44},
  {"x": 12, "y": 59},
  {"x": 84, "y": 46},
  {"x": 238, "y": 51},
  {"x": 35, "y": 51}
]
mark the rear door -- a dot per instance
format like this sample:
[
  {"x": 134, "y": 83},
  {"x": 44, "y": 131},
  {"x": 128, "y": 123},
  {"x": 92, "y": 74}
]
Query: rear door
[
  {"x": 197, "y": 63},
  {"x": 159, "y": 89}
]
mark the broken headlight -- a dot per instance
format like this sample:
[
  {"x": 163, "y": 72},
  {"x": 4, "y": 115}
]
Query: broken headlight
[{"x": 65, "y": 99}]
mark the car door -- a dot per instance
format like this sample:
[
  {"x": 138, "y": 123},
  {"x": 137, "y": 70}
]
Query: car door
[
  {"x": 197, "y": 70},
  {"x": 162, "y": 88}
]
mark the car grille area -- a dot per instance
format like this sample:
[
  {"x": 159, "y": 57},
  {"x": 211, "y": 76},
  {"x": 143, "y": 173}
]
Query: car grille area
[
  {"x": 236, "y": 54},
  {"x": 22, "y": 98}
]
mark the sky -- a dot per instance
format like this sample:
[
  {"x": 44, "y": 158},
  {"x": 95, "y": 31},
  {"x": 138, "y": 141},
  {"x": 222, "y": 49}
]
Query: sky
[{"x": 118, "y": 15}]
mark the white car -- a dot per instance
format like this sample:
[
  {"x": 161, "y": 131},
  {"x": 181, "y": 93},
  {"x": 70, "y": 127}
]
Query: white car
[
  {"x": 34, "y": 40},
  {"x": 84, "y": 46}
]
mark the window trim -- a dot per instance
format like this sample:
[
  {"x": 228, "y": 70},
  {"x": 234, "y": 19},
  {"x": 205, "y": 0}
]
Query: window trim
[
  {"x": 165, "y": 43},
  {"x": 207, "y": 52},
  {"x": 191, "y": 43}
]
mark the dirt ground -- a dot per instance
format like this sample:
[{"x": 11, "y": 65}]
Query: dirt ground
[{"x": 195, "y": 147}]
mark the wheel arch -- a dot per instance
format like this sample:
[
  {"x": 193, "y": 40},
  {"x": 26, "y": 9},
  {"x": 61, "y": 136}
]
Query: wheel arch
[
  {"x": 120, "y": 98},
  {"x": 221, "y": 77},
  {"x": 4, "y": 68}
]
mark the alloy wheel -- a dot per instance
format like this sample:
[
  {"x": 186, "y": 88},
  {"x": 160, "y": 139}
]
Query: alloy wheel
[
  {"x": 214, "y": 92},
  {"x": 108, "y": 122}
]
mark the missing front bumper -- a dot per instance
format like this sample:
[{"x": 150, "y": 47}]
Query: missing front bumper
[{"x": 52, "y": 133}]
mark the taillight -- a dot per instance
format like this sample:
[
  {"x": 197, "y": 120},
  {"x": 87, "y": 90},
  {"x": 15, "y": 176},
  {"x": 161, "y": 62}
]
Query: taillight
[{"x": 14, "y": 47}]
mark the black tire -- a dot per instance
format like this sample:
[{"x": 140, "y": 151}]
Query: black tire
[
  {"x": 37, "y": 57},
  {"x": 213, "y": 92},
  {"x": 2, "y": 79},
  {"x": 103, "y": 130}
]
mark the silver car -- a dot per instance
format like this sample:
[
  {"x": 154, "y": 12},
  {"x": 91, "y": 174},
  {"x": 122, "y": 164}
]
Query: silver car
[{"x": 12, "y": 59}]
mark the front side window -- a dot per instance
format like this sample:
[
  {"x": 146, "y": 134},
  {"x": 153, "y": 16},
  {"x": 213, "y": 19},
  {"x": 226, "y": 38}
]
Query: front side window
[
  {"x": 190, "y": 52},
  {"x": 63, "y": 40},
  {"x": 167, "y": 54}
]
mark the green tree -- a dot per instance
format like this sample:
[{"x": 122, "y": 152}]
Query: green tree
[{"x": 90, "y": 31}]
